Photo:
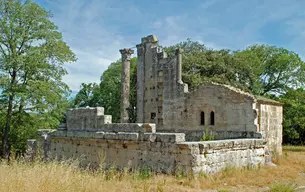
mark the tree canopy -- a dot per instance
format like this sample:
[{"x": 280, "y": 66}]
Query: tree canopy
[
  {"x": 294, "y": 118},
  {"x": 88, "y": 95},
  {"x": 270, "y": 70},
  {"x": 32, "y": 54},
  {"x": 259, "y": 69}
]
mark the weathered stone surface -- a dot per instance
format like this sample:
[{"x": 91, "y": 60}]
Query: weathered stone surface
[
  {"x": 86, "y": 118},
  {"x": 271, "y": 117},
  {"x": 129, "y": 127},
  {"x": 163, "y": 99},
  {"x": 161, "y": 154},
  {"x": 184, "y": 119},
  {"x": 125, "y": 83}
]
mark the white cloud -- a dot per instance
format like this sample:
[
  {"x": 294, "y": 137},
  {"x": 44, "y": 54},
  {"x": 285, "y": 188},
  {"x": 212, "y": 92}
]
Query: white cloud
[
  {"x": 95, "y": 46},
  {"x": 96, "y": 30}
]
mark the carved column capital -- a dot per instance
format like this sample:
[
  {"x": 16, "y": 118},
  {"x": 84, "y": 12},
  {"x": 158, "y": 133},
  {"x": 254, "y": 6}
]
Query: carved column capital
[
  {"x": 126, "y": 54},
  {"x": 126, "y": 51}
]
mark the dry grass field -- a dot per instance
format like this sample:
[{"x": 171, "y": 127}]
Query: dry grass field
[{"x": 58, "y": 177}]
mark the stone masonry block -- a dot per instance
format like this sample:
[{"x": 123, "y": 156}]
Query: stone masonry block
[
  {"x": 86, "y": 118},
  {"x": 129, "y": 127},
  {"x": 170, "y": 137}
]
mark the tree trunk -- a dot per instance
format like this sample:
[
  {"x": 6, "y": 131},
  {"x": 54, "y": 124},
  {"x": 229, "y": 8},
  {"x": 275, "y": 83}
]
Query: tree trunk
[
  {"x": 6, "y": 130},
  {"x": 5, "y": 144}
]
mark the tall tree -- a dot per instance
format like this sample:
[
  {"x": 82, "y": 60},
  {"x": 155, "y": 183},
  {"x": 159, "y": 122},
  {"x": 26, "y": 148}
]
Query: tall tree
[
  {"x": 294, "y": 116},
  {"x": 88, "y": 95},
  {"x": 269, "y": 69},
  {"x": 201, "y": 64},
  {"x": 32, "y": 55}
]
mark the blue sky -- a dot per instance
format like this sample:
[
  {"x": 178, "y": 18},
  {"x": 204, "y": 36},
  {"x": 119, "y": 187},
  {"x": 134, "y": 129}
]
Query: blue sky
[{"x": 96, "y": 29}]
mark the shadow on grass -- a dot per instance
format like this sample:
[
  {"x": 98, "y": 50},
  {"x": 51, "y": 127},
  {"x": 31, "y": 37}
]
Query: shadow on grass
[{"x": 294, "y": 148}]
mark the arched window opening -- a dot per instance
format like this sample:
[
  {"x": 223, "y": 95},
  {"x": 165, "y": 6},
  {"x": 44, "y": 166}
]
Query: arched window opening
[
  {"x": 202, "y": 118},
  {"x": 212, "y": 120}
]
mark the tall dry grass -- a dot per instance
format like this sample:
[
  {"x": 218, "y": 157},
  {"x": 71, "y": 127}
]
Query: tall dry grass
[{"x": 51, "y": 177}]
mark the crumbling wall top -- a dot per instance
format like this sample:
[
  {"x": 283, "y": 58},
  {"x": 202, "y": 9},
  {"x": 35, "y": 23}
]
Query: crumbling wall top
[
  {"x": 149, "y": 39},
  {"x": 87, "y": 118}
]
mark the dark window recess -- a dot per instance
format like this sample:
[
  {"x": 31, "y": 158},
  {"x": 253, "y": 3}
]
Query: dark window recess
[
  {"x": 159, "y": 109},
  {"x": 152, "y": 116},
  {"x": 202, "y": 118},
  {"x": 160, "y": 121},
  {"x": 212, "y": 118}
]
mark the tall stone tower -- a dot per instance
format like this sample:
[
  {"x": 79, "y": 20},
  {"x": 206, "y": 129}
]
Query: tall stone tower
[
  {"x": 125, "y": 87},
  {"x": 159, "y": 84}
]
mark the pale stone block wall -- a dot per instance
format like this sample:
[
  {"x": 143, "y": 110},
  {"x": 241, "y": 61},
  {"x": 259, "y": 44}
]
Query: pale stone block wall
[
  {"x": 234, "y": 113},
  {"x": 271, "y": 117},
  {"x": 161, "y": 152},
  {"x": 136, "y": 146}
]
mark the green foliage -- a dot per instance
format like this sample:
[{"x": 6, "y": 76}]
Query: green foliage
[
  {"x": 260, "y": 69},
  {"x": 32, "y": 55},
  {"x": 207, "y": 135},
  {"x": 283, "y": 187},
  {"x": 268, "y": 69},
  {"x": 201, "y": 64},
  {"x": 294, "y": 118},
  {"x": 143, "y": 173},
  {"x": 88, "y": 95}
]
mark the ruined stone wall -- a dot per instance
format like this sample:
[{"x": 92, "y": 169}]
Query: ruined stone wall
[
  {"x": 234, "y": 113},
  {"x": 146, "y": 72},
  {"x": 87, "y": 138},
  {"x": 270, "y": 118},
  {"x": 161, "y": 152},
  {"x": 157, "y": 81},
  {"x": 164, "y": 99}
]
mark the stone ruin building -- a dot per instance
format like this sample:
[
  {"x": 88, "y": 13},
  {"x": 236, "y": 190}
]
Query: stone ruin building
[{"x": 171, "y": 122}]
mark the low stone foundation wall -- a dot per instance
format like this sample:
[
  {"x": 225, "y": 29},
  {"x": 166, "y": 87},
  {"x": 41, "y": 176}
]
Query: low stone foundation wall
[
  {"x": 161, "y": 152},
  {"x": 94, "y": 141}
]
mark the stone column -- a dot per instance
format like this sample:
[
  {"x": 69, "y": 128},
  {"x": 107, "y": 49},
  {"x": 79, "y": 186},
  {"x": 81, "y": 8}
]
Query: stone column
[
  {"x": 126, "y": 55},
  {"x": 179, "y": 65}
]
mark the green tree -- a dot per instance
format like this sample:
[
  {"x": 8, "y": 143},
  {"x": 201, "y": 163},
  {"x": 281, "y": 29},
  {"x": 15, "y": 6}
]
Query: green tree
[
  {"x": 265, "y": 69},
  {"x": 110, "y": 90},
  {"x": 88, "y": 95},
  {"x": 294, "y": 118},
  {"x": 201, "y": 64},
  {"x": 32, "y": 55},
  {"x": 260, "y": 69}
]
